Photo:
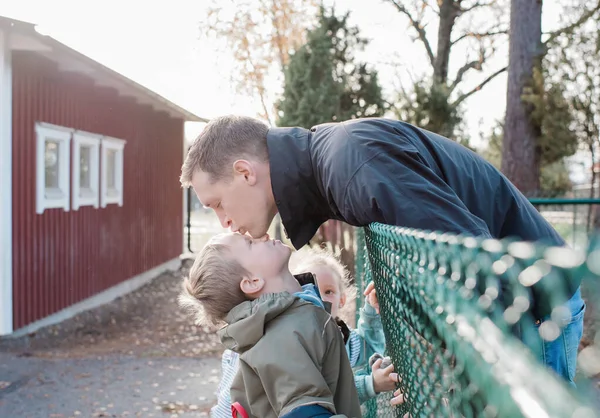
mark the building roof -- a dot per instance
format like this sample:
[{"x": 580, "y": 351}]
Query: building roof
[{"x": 23, "y": 36}]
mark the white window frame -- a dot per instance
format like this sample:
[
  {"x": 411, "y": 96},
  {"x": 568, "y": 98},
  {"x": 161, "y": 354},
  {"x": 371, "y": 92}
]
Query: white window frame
[
  {"x": 91, "y": 196},
  {"x": 117, "y": 145},
  {"x": 59, "y": 197}
]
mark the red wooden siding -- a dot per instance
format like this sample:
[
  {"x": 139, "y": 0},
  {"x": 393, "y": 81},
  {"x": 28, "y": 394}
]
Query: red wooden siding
[{"x": 60, "y": 258}]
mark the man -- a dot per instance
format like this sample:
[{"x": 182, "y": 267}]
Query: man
[{"x": 364, "y": 171}]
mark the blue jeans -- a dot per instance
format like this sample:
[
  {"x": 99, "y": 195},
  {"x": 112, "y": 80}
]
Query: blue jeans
[{"x": 561, "y": 354}]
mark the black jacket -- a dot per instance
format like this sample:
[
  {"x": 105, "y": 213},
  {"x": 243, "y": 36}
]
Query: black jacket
[{"x": 387, "y": 171}]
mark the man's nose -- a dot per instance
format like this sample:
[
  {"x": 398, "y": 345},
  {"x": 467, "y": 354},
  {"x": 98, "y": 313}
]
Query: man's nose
[{"x": 225, "y": 221}]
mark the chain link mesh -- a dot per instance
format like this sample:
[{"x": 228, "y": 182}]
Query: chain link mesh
[{"x": 450, "y": 307}]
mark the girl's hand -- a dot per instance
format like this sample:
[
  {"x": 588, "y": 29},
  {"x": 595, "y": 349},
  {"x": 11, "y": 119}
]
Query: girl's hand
[
  {"x": 384, "y": 380},
  {"x": 371, "y": 296},
  {"x": 398, "y": 398}
]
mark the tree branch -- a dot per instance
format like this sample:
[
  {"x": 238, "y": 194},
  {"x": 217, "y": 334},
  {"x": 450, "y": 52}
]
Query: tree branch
[
  {"x": 419, "y": 28},
  {"x": 465, "y": 96},
  {"x": 461, "y": 72},
  {"x": 260, "y": 89},
  {"x": 479, "y": 35},
  {"x": 476, "y": 6},
  {"x": 570, "y": 28}
]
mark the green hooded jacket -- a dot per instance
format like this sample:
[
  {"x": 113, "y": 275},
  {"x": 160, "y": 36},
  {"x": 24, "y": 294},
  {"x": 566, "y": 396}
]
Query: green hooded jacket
[{"x": 292, "y": 354}]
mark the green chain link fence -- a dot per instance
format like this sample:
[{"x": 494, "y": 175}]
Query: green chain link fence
[{"x": 450, "y": 333}]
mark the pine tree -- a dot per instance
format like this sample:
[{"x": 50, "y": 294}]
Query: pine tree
[{"x": 323, "y": 81}]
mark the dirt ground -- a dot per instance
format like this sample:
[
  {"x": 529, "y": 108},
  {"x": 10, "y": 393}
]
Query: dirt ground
[
  {"x": 137, "y": 356},
  {"x": 146, "y": 322}
]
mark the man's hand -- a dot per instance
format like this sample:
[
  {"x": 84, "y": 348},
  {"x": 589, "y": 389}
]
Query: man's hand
[
  {"x": 384, "y": 380},
  {"x": 371, "y": 296}
]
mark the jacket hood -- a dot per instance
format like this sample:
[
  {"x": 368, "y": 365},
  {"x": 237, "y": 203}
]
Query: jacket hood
[{"x": 246, "y": 322}]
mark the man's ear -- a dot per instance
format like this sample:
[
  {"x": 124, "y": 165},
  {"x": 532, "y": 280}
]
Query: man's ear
[
  {"x": 246, "y": 169},
  {"x": 252, "y": 285}
]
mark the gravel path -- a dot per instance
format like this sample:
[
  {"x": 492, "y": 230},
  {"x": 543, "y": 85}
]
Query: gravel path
[
  {"x": 110, "y": 386},
  {"x": 138, "y": 356}
]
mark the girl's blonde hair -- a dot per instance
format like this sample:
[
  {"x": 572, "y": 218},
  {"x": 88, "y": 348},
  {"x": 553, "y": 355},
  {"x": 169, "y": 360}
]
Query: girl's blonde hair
[{"x": 308, "y": 257}]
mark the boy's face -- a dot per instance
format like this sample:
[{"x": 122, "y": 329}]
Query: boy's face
[{"x": 262, "y": 258}]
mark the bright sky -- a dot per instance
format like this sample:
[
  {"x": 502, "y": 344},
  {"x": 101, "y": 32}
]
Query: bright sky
[{"x": 158, "y": 45}]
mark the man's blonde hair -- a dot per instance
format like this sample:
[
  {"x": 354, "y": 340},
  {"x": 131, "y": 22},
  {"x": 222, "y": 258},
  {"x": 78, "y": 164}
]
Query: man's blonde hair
[
  {"x": 224, "y": 140},
  {"x": 212, "y": 287},
  {"x": 305, "y": 259}
]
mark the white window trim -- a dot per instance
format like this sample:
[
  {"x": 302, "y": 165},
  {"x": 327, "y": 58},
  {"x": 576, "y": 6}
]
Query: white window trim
[
  {"x": 91, "y": 196},
  {"x": 59, "y": 198},
  {"x": 115, "y": 144}
]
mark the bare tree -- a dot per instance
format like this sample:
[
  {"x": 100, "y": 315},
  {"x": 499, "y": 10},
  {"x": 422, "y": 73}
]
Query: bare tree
[
  {"x": 259, "y": 34},
  {"x": 474, "y": 26}
]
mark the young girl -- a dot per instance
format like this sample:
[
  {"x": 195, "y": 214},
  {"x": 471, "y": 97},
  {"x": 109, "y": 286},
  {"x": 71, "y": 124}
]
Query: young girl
[{"x": 364, "y": 341}]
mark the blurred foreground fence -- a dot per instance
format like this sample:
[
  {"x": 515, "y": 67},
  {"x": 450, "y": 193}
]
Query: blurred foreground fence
[
  {"x": 446, "y": 329},
  {"x": 449, "y": 333}
]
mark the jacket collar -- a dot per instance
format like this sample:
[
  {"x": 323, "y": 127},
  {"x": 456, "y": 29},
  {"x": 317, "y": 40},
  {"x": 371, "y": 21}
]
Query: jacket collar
[{"x": 299, "y": 201}]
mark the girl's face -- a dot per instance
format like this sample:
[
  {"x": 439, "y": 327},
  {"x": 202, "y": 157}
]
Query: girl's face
[{"x": 330, "y": 288}]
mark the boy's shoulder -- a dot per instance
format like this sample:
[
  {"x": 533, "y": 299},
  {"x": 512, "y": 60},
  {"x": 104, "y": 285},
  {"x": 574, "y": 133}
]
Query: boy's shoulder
[
  {"x": 303, "y": 331},
  {"x": 301, "y": 315},
  {"x": 302, "y": 320}
]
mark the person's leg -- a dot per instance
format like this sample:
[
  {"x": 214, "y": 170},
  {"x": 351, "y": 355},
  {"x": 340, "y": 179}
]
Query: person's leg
[{"x": 561, "y": 354}]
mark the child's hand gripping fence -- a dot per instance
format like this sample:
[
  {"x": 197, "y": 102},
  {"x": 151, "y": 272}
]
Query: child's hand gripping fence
[{"x": 450, "y": 307}]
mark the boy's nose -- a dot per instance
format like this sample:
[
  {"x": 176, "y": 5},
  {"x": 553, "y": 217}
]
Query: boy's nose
[{"x": 264, "y": 238}]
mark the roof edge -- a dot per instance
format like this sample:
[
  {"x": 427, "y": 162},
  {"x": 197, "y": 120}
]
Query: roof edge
[{"x": 29, "y": 29}]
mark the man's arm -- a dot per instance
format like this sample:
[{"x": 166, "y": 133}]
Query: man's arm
[{"x": 401, "y": 190}]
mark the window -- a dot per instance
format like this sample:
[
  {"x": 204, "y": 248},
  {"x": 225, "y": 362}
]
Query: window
[
  {"x": 112, "y": 171},
  {"x": 53, "y": 149},
  {"x": 86, "y": 170}
]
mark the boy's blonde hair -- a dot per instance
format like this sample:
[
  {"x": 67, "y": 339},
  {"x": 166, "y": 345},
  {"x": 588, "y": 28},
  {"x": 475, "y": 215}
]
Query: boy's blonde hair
[
  {"x": 212, "y": 287},
  {"x": 308, "y": 257}
]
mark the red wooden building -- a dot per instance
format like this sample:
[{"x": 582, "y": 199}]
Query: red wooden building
[{"x": 90, "y": 201}]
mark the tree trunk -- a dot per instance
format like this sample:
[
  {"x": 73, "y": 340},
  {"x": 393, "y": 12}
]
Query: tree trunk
[
  {"x": 592, "y": 210},
  {"x": 448, "y": 14},
  {"x": 520, "y": 153}
]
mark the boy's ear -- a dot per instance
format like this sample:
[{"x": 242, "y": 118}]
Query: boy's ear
[{"x": 252, "y": 285}]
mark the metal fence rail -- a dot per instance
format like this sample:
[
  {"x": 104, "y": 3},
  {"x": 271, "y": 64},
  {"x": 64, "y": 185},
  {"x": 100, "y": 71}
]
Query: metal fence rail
[
  {"x": 448, "y": 331},
  {"x": 574, "y": 219}
]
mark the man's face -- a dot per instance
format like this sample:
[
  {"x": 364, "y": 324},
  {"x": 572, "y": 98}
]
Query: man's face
[
  {"x": 243, "y": 202},
  {"x": 260, "y": 257}
]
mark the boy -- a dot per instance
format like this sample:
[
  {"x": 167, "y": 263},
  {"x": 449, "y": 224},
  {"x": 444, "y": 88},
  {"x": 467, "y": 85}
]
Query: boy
[{"x": 292, "y": 357}]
